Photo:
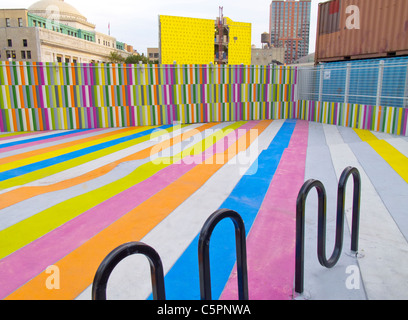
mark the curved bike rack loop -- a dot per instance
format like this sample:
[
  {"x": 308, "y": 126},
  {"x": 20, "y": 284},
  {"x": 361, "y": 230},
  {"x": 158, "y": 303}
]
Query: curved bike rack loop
[
  {"x": 117, "y": 255},
  {"x": 204, "y": 253},
  {"x": 321, "y": 235}
]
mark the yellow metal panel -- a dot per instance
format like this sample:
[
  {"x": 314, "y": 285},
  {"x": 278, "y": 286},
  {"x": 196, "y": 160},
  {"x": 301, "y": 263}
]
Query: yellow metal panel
[
  {"x": 239, "y": 48},
  {"x": 186, "y": 40}
]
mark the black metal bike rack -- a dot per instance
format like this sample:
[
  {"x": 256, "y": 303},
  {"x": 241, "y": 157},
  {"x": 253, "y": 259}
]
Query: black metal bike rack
[
  {"x": 204, "y": 253},
  {"x": 321, "y": 236},
  {"x": 120, "y": 253}
]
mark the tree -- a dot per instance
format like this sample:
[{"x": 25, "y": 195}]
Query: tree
[
  {"x": 115, "y": 57},
  {"x": 135, "y": 59}
]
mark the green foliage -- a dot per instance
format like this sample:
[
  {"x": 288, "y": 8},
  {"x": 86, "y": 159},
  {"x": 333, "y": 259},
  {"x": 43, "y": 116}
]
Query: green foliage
[
  {"x": 135, "y": 59},
  {"x": 115, "y": 57}
]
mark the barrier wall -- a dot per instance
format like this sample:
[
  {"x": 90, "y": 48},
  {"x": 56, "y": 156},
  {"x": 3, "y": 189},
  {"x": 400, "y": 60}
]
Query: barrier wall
[
  {"x": 48, "y": 96},
  {"x": 375, "y": 118}
]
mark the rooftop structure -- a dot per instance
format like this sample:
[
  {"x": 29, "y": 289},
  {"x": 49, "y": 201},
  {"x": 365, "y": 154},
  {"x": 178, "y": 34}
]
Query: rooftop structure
[{"x": 54, "y": 31}]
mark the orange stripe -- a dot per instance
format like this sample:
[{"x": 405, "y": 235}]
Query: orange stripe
[
  {"x": 40, "y": 117},
  {"x": 78, "y": 268},
  {"x": 20, "y": 89},
  {"x": 26, "y": 111},
  {"x": 124, "y": 71},
  {"x": 35, "y": 73},
  {"x": 23, "y": 82},
  {"x": 24, "y": 193},
  {"x": 114, "y": 74},
  {"x": 8, "y": 70},
  {"x": 73, "y": 74},
  {"x": 33, "y": 153}
]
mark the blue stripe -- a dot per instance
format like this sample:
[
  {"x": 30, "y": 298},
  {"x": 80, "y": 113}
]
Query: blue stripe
[
  {"x": 16, "y": 143},
  {"x": 182, "y": 281},
  {"x": 72, "y": 155}
]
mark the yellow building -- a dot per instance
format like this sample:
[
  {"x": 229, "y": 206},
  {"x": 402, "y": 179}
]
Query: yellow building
[
  {"x": 239, "y": 45},
  {"x": 186, "y": 40},
  {"x": 192, "y": 41}
]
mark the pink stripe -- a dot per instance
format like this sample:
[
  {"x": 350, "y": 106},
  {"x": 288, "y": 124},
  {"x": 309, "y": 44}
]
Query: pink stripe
[
  {"x": 24, "y": 264},
  {"x": 30, "y": 144},
  {"x": 271, "y": 240},
  {"x": 24, "y": 135}
]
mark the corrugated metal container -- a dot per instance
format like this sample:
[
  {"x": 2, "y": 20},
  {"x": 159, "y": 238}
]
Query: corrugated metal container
[{"x": 360, "y": 29}]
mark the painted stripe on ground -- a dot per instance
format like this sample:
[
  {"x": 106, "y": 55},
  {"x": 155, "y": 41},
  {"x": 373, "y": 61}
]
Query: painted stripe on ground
[
  {"x": 49, "y": 247},
  {"x": 28, "y": 168},
  {"x": 85, "y": 260},
  {"x": 381, "y": 240},
  {"x": 43, "y": 138},
  {"x": 182, "y": 281},
  {"x": 395, "y": 159},
  {"x": 271, "y": 241},
  {"x": 174, "y": 234},
  {"x": 99, "y": 168},
  {"x": 38, "y": 225},
  {"x": 77, "y": 141}
]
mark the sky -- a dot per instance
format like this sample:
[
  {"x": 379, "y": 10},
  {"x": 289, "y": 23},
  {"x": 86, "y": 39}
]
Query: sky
[{"x": 135, "y": 22}]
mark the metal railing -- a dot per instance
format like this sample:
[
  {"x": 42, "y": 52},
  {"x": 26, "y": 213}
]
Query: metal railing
[
  {"x": 321, "y": 236},
  {"x": 204, "y": 253},
  {"x": 112, "y": 260},
  {"x": 370, "y": 82}
]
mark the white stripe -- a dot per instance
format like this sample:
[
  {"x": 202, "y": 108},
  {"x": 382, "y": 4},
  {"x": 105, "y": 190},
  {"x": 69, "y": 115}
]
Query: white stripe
[{"x": 384, "y": 267}]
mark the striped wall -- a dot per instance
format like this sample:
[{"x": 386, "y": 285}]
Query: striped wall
[
  {"x": 50, "y": 96},
  {"x": 375, "y": 118},
  {"x": 60, "y": 96}
]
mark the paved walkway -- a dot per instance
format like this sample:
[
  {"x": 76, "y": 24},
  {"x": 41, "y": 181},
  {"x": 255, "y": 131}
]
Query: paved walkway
[{"x": 68, "y": 198}]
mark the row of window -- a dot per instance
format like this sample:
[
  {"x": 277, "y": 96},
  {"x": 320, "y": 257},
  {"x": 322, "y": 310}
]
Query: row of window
[
  {"x": 8, "y": 22},
  {"x": 10, "y": 43},
  {"x": 11, "y": 54},
  {"x": 58, "y": 29}
]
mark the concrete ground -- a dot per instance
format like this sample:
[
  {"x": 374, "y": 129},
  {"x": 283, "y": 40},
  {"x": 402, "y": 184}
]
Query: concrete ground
[{"x": 68, "y": 198}]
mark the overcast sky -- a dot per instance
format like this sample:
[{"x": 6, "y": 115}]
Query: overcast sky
[{"x": 136, "y": 22}]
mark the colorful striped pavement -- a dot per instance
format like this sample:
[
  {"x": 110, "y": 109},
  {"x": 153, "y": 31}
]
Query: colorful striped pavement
[{"x": 68, "y": 198}]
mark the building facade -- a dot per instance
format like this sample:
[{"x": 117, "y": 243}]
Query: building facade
[
  {"x": 289, "y": 27},
  {"x": 54, "y": 31},
  {"x": 268, "y": 56},
  {"x": 199, "y": 41}
]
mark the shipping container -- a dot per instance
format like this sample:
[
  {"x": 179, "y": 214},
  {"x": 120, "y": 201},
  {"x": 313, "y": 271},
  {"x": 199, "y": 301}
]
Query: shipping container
[{"x": 361, "y": 29}]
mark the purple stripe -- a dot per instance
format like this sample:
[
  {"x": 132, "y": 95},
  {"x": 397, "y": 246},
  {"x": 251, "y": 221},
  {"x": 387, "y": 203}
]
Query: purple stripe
[{"x": 405, "y": 122}]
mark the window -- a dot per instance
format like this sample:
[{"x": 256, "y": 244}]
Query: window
[
  {"x": 11, "y": 54},
  {"x": 20, "y": 22},
  {"x": 9, "y": 42},
  {"x": 28, "y": 54},
  {"x": 23, "y": 55},
  {"x": 7, "y": 22}
]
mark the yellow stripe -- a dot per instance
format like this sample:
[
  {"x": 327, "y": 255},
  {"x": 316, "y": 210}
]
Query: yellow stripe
[
  {"x": 392, "y": 156},
  {"x": 55, "y": 153},
  {"x": 26, "y": 231}
]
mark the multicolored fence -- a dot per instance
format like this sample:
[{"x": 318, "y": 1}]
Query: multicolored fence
[
  {"x": 375, "y": 118},
  {"x": 58, "y": 96}
]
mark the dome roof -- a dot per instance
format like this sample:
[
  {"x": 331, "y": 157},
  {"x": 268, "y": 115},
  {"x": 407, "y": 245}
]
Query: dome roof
[{"x": 49, "y": 8}]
